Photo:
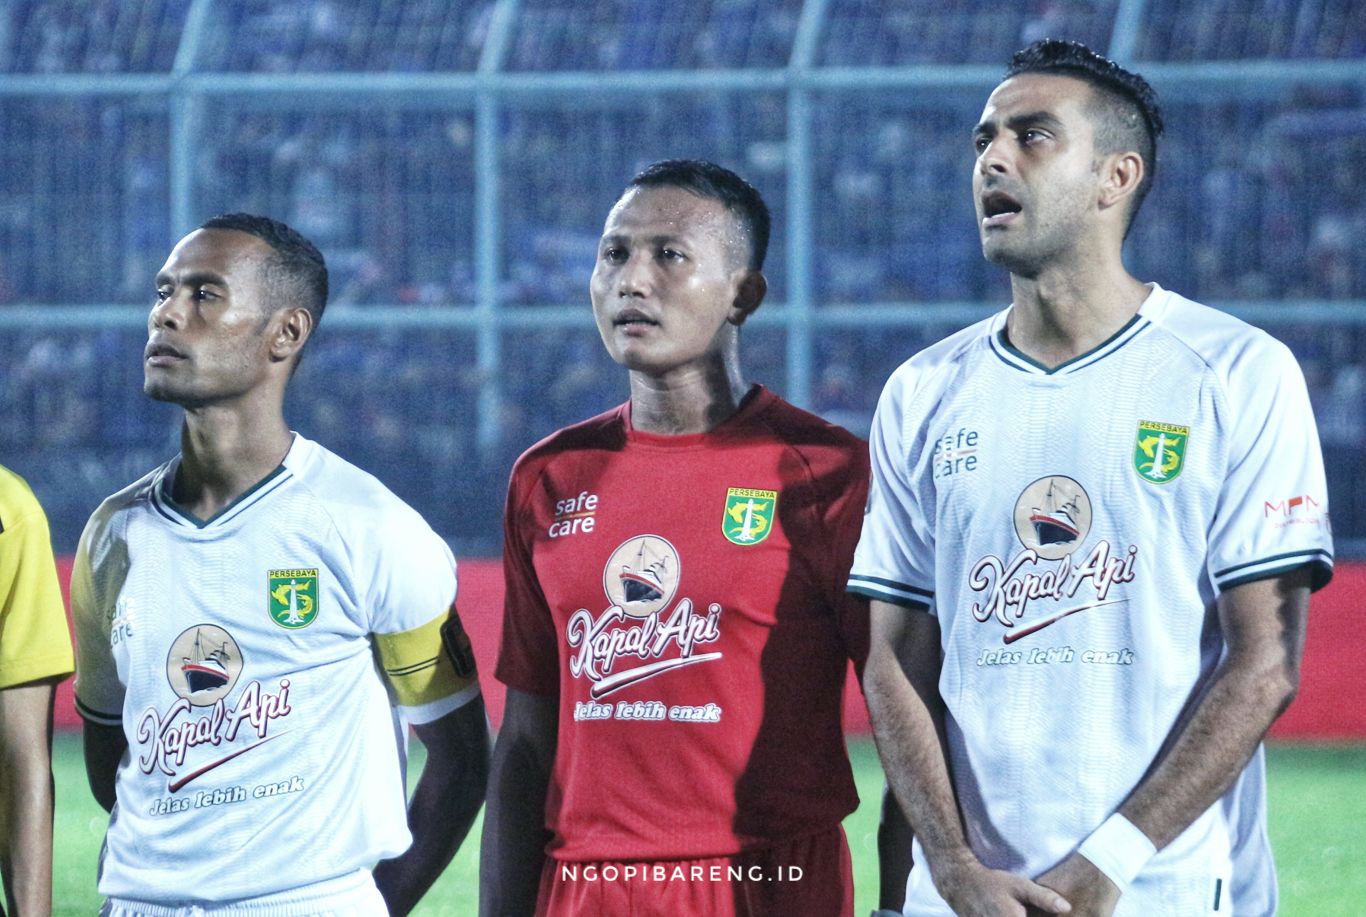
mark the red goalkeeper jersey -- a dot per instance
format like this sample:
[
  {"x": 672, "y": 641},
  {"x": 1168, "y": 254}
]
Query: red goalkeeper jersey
[{"x": 684, "y": 597}]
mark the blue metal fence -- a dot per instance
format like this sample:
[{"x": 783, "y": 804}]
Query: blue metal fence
[{"x": 455, "y": 161}]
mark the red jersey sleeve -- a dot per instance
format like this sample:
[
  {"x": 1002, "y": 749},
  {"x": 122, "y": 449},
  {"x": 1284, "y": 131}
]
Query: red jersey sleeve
[
  {"x": 528, "y": 659},
  {"x": 843, "y": 520}
]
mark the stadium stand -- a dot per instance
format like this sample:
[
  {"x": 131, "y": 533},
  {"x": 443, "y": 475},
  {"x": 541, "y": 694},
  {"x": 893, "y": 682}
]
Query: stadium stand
[{"x": 454, "y": 159}]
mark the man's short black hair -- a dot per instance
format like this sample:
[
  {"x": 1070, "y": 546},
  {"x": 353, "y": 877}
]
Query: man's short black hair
[
  {"x": 1129, "y": 116},
  {"x": 297, "y": 270},
  {"x": 707, "y": 179}
]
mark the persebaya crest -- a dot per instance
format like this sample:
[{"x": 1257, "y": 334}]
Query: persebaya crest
[
  {"x": 1160, "y": 450},
  {"x": 293, "y": 597},
  {"x": 748, "y": 517}
]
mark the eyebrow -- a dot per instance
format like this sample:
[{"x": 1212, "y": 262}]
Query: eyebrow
[
  {"x": 1016, "y": 122},
  {"x": 197, "y": 278},
  {"x": 661, "y": 239}
]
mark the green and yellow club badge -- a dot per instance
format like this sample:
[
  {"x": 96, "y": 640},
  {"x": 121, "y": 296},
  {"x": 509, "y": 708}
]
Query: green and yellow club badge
[
  {"x": 293, "y": 597},
  {"x": 749, "y": 515},
  {"x": 1160, "y": 450}
]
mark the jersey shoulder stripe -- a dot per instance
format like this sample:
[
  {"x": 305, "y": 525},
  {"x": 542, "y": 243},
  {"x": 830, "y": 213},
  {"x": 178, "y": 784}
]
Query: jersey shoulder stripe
[{"x": 876, "y": 587}]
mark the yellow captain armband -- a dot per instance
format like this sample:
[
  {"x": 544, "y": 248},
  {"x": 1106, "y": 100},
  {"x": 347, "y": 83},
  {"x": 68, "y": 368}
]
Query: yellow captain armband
[{"x": 428, "y": 663}]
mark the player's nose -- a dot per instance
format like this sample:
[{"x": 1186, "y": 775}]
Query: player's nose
[
  {"x": 994, "y": 158},
  {"x": 635, "y": 278},
  {"x": 167, "y": 313}
]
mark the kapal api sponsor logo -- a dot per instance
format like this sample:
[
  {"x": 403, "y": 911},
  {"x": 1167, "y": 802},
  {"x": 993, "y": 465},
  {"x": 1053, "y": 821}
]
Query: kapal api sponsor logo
[
  {"x": 203, "y": 666},
  {"x": 1052, "y": 517},
  {"x": 641, "y": 634}
]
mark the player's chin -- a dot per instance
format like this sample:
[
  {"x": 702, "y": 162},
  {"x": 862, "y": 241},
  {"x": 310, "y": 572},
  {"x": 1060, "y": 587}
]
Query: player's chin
[
  {"x": 638, "y": 362},
  {"x": 161, "y": 389},
  {"x": 999, "y": 252},
  {"x": 635, "y": 354},
  {"x": 157, "y": 388}
]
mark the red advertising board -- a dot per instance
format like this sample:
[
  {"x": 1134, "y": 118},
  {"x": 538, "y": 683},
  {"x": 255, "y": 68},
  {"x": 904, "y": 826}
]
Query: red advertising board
[{"x": 1331, "y": 683}]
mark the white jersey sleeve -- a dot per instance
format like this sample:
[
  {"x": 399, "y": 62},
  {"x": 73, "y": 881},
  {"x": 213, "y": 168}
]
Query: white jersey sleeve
[
  {"x": 1272, "y": 513},
  {"x": 98, "y": 622},
  {"x": 894, "y": 561},
  {"x": 421, "y": 644}
]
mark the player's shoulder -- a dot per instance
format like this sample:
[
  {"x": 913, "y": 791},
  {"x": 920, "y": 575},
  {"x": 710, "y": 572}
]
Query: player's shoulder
[
  {"x": 821, "y": 443},
  {"x": 17, "y": 500},
  {"x": 602, "y": 432},
  {"x": 134, "y": 497},
  {"x": 943, "y": 359},
  {"x": 358, "y": 504},
  {"x": 110, "y": 520},
  {"x": 1229, "y": 346}
]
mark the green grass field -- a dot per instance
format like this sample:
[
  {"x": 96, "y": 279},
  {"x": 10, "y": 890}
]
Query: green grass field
[{"x": 1318, "y": 826}]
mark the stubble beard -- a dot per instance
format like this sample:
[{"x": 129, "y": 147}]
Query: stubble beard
[
  {"x": 1021, "y": 260},
  {"x": 170, "y": 394},
  {"x": 1029, "y": 256}
]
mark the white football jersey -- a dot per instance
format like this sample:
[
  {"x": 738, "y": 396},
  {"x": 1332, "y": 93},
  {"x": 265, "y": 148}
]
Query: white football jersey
[
  {"x": 258, "y": 664},
  {"x": 1071, "y": 530}
]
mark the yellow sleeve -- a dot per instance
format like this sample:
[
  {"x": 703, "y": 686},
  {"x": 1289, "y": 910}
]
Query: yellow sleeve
[
  {"x": 35, "y": 641},
  {"x": 430, "y": 668}
]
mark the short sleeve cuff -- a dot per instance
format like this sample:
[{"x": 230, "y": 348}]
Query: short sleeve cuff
[
  {"x": 1319, "y": 560},
  {"x": 98, "y": 717},
  {"x": 427, "y": 713},
  {"x": 889, "y": 590},
  {"x": 30, "y": 669}
]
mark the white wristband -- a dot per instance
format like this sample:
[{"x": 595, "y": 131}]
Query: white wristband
[{"x": 1118, "y": 849}]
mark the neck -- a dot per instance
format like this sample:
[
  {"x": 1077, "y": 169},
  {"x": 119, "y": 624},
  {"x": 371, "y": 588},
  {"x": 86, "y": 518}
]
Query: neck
[
  {"x": 1061, "y": 314},
  {"x": 226, "y": 451},
  {"x": 690, "y": 400}
]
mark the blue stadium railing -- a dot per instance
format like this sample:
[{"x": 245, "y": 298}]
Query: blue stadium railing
[{"x": 810, "y": 333}]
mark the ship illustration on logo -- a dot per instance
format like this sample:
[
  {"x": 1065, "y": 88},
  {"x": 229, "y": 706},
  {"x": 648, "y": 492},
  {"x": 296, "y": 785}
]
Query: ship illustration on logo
[
  {"x": 641, "y": 575},
  {"x": 1055, "y": 523},
  {"x": 644, "y": 582},
  {"x": 205, "y": 671}
]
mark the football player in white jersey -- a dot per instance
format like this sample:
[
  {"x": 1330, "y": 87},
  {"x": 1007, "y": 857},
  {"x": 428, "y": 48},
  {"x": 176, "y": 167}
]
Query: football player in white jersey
[
  {"x": 258, "y": 623},
  {"x": 1095, "y": 521}
]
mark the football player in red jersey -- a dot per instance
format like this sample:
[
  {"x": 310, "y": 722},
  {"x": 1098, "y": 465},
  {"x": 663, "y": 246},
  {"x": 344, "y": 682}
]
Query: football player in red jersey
[{"x": 676, "y": 630}]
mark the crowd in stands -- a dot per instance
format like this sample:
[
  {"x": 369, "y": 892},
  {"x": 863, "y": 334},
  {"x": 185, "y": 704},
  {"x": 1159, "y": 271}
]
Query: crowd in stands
[
  {"x": 281, "y": 36},
  {"x": 1258, "y": 199}
]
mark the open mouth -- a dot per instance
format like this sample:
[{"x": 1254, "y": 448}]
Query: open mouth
[{"x": 998, "y": 207}]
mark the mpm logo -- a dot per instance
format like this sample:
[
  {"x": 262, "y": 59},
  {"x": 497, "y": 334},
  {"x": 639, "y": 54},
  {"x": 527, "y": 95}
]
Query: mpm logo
[{"x": 1304, "y": 503}]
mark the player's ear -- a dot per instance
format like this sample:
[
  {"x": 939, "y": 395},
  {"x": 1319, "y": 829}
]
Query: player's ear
[
  {"x": 1121, "y": 174},
  {"x": 292, "y": 330},
  {"x": 748, "y": 295}
]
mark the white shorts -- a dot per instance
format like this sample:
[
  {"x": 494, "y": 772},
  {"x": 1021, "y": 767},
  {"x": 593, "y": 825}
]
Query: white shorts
[{"x": 353, "y": 895}]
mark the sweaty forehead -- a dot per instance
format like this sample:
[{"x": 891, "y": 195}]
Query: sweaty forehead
[{"x": 670, "y": 211}]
